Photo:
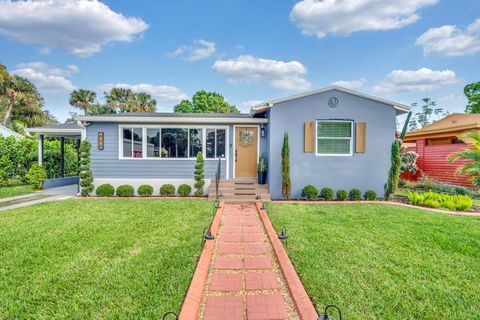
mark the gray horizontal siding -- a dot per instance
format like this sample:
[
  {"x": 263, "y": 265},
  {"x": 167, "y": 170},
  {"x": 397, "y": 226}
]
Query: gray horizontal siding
[{"x": 106, "y": 163}]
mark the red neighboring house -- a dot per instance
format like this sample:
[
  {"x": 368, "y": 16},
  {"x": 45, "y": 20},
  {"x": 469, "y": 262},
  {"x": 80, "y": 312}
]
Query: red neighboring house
[{"x": 435, "y": 142}]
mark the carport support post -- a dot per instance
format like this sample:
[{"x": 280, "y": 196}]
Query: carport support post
[
  {"x": 40, "y": 149},
  {"x": 78, "y": 156},
  {"x": 62, "y": 157}
]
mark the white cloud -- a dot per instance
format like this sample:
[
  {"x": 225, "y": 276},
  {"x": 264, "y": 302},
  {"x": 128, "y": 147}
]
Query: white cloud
[
  {"x": 246, "y": 105},
  {"x": 162, "y": 93},
  {"x": 278, "y": 74},
  {"x": 201, "y": 49},
  {"x": 450, "y": 40},
  {"x": 46, "y": 77},
  {"x": 353, "y": 85},
  {"x": 318, "y": 18},
  {"x": 423, "y": 79},
  {"x": 79, "y": 27}
]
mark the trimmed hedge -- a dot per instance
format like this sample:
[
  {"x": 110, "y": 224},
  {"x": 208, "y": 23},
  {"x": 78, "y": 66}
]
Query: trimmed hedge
[
  {"x": 105, "y": 190},
  {"x": 125, "y": 190},
  {"x": 184, "y": 190},
  {"x": 370, "y": 195},
  {"x": 326, "y": 194},
  {"x": 167, "y": 190},
  {"x": 342, "y": 195},
  {"x": 310, "y": 192},
  {"x": 355, "y": 195},
  {"x": 145, "y": 190}
]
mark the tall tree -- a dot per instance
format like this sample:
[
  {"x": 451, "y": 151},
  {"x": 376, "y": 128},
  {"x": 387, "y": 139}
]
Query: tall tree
[
  {"x": 143, "y": 102},
  {"x": 423, "y": 118},
  {"x": 125, "y": 100},
  {"x": 286, "y": 182},
  {"x": 205, "y": 102},
  {"x": 472, "y": 92},
  {"x": 83, "y": 99},
  {"x": 20, "y": 101}
]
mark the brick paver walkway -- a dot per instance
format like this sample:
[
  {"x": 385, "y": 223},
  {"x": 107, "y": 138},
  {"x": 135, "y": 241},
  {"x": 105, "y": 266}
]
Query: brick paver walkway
[{"x": 244, "y": 280}]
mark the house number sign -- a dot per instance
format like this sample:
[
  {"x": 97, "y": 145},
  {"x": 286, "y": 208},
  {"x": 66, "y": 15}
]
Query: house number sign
[{"x": 100, "y": 141}]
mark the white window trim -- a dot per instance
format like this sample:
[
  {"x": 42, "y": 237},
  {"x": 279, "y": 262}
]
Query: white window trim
[
  {"x": 160, "y": 127},
  {"x": 350, "y": 154}
]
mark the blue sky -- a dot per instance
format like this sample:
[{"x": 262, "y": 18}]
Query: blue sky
[{"x": 249, "y": 51}]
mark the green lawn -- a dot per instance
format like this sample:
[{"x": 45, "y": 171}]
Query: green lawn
[
  {"x": 382, "y": 262},
  {"x": 99, "y": 258},
  {"x": 6, "y": 192}
]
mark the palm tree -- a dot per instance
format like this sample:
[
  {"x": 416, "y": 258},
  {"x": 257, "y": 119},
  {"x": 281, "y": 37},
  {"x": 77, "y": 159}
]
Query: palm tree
[
  {"x": 143, "y": 102},
  {"x": 471, "y": 154},
  {"x": 82, "y": 99},
  {"x": 119, "y": 99},
  {"x": 18, "y": 96}
]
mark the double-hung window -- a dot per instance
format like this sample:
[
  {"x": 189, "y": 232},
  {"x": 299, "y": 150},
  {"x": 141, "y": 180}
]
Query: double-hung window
[{"x": 334, "y": 138}]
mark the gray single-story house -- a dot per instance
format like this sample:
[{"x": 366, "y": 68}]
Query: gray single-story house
[{"x": 338, "y": 138}]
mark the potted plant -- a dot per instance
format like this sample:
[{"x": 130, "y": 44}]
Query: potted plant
[{"x": 262, "y": 167}]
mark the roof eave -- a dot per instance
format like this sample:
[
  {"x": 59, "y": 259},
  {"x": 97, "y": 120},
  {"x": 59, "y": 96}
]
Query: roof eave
[{"x": 140, "y": 119}]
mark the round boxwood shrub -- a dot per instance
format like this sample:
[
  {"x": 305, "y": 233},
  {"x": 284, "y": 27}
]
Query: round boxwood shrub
[
  {"x": 125, "y": 190},
  {"x": 167, "y": 190},
  {"x": 184, "y": 190},
  {"x": 370, "y": 195},
  {"x": 310, "y": 192},
  {"x": 105, "y": 190},
  {"x": 342, "y": 195},
  {"x": 355, "y": 195},
  {"x": 327, "y": 194},
  {"x": 145, "y": 190}
]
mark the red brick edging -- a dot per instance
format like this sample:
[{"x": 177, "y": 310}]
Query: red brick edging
[
  {"x": 300, "y": 298},
  {"x": 193, "y": 298}
]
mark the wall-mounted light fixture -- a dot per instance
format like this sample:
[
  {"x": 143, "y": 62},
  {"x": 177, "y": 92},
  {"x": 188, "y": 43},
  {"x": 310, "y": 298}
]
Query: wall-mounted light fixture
[{"x": 262, "y": 131}]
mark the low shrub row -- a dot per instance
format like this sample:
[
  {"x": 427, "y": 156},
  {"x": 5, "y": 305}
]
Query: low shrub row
[
  {"x": 425, "y": 183},
  {"x": 145, "y": 190},
  {"x": 436, "y": 200},
  {"x": 310, "y": 192}
]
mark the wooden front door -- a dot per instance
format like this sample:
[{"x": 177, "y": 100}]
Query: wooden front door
[{"x": 246, "y": 152}]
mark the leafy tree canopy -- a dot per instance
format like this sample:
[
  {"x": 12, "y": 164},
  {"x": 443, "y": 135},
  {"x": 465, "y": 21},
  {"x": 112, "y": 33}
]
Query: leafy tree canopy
[
  {"x": 472, "y": 92},
  {"x": 205, "y": 102},
  {"x": 21, "y": 105},
  {"x": 424, "y": 116}
]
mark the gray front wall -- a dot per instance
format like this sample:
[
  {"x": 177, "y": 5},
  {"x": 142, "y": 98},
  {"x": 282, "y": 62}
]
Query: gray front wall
[
  {"x": 365, "y": 171},
  {"x": 106, "y": 163}
]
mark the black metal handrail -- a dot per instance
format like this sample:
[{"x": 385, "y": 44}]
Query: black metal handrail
[{"x": 217, "y": 183}]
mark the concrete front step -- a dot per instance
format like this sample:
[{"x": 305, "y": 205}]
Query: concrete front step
[{"x": 239, "y": 190}]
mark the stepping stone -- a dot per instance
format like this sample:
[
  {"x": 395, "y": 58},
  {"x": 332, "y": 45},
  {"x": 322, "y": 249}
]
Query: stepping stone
[
  {"x": 232, "y": 229},
  {"x": 232, "y": 222},
  {"x": 251, "y": 223},
  {"x": 261, "y": 262},
  {"x": 226, "y": 282},
  {"x": 253, "y": 237},
  {"x": 266, "y": 307},
  {"x": 228, "y": 263},
  {"x": 229, "y": 248},
  {"x": 261, "y": 281},
  {"x": 231, "y": 237},
  {"x": 224, "y": 308},
  {"x": 254, "y": 248},
  {"x": 252, "y": 229}
]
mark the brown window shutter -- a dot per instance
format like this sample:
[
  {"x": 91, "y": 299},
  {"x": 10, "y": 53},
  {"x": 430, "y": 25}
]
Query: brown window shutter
[
  {"x": 309, "y": 137},
  {"x": 360, "y": 137}
]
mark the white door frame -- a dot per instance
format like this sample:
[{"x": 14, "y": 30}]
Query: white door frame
[{"x": 234, "y": 140}]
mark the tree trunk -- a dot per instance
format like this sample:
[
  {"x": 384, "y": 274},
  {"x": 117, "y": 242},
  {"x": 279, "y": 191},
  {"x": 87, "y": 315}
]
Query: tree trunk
[{"x": 6, "y": 116}]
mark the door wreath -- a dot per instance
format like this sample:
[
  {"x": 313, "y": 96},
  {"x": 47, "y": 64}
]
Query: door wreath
[{"x": 246, "y": 138}]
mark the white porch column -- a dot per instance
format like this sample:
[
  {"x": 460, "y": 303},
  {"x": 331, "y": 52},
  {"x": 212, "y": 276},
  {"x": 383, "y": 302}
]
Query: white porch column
[{"x": 40, "y": 149}]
